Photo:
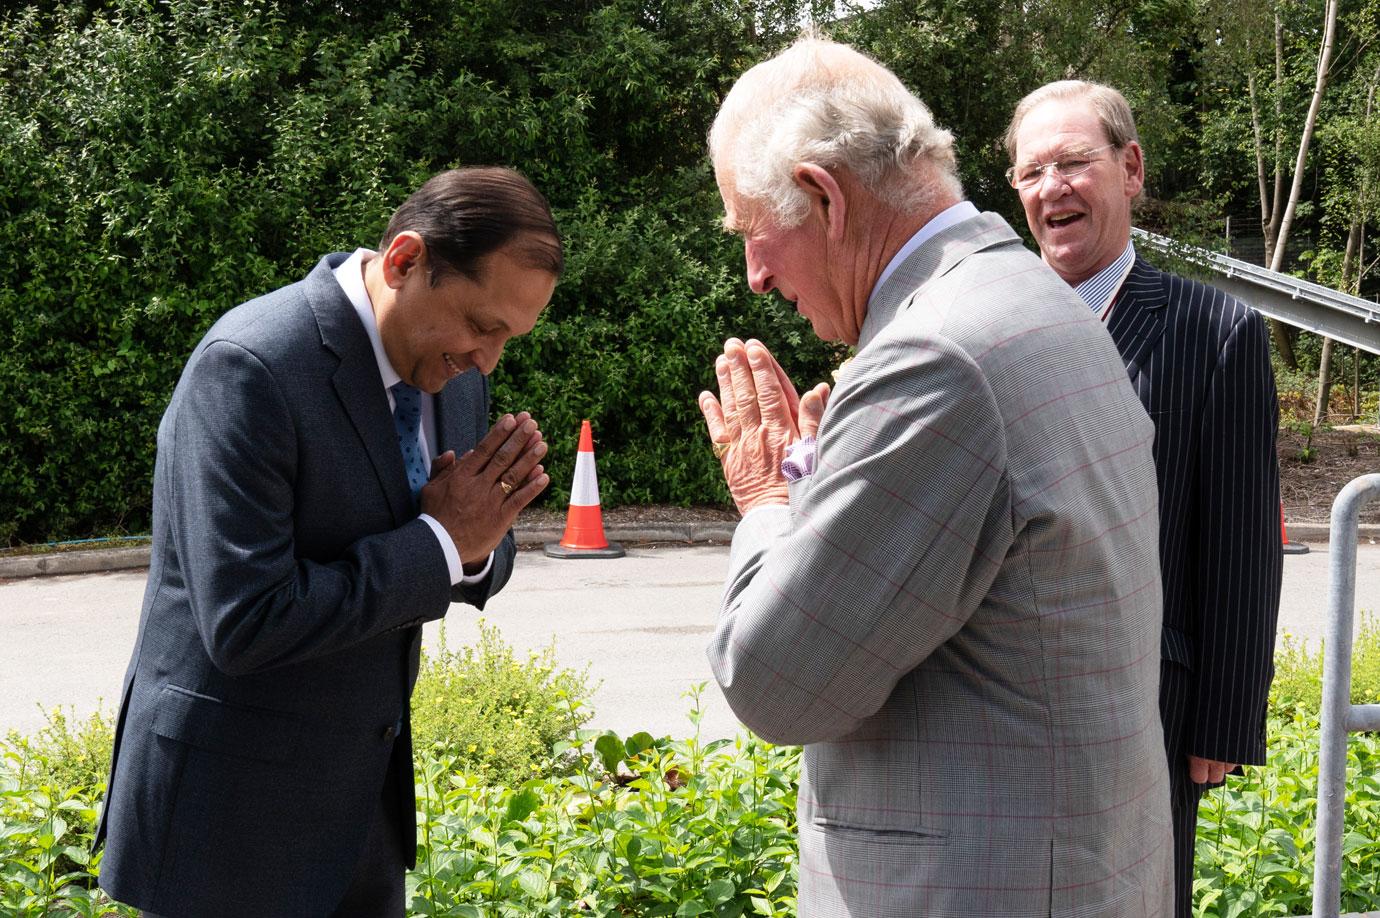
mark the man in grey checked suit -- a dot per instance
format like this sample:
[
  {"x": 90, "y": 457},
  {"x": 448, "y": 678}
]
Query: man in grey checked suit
[
  {"x": 1200, "y": 363},
  {"x": 945, "y": 582},
  {"x": 263, "y": 758}
]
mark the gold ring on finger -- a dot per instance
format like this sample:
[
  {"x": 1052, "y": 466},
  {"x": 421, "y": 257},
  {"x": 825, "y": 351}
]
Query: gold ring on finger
[
  {"x": 720, "y": 449},
  {"x": 507, "y": 488}
]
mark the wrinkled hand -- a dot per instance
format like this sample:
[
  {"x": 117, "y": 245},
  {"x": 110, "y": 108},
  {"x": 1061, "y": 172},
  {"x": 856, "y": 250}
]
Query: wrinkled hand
[
  {"x": 755, "y": 415},
  {"x": 467, "y": 495},
  {"x": 1208, "y": 771}
]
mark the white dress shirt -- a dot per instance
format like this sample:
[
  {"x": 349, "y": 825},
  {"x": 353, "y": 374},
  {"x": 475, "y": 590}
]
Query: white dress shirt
[{"x": 350, "y": 276}]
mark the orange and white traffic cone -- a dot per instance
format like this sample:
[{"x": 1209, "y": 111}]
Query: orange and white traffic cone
[
  {"x": 1290, "y": 548},
  {"x": 584, "y": 524}
]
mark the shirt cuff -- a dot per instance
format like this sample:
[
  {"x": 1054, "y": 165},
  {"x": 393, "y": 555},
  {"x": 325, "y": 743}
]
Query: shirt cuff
[{"x": 453, "y": 563}]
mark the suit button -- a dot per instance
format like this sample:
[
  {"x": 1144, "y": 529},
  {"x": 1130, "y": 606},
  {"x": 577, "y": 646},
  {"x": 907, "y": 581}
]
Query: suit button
[{"x": 390, "y": 732}]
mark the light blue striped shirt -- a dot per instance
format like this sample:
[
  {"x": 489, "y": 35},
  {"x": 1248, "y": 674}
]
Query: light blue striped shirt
[{"x": 1098, "y": 290}]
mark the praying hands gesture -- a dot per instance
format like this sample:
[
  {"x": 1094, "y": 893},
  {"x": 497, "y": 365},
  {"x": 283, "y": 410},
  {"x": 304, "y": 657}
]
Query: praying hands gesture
[{"x": 755, "y": 418}]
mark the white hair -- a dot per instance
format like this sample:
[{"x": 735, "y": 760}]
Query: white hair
[{"x": 824, "y": 103}]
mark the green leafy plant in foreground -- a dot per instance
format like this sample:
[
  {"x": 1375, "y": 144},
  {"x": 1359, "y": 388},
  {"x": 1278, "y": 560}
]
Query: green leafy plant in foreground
[
  {"x": 616, "y": 826},
  {"x": 491, "y": 714},
  {"x": 645, "y": 827}
]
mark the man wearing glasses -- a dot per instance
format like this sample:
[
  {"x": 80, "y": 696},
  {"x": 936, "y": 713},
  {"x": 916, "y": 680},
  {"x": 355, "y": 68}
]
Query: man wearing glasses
[{"x": 1200, "y": 363}]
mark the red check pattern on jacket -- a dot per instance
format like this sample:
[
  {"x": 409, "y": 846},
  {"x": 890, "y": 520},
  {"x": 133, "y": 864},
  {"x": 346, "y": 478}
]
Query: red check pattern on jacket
[{"x": 958, "y": 615}]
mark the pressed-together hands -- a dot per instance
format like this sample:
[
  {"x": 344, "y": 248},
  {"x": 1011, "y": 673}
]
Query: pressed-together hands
[
  {"x": 477, "y": 497},
  {"x": 756, "y": 416}
]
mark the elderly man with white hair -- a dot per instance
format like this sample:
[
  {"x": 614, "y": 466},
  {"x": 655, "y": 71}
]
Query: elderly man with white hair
[{"x": 945, "y": 584}]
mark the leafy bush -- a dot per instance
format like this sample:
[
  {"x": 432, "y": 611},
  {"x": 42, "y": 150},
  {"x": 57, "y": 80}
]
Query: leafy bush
[
  {"x": 46, "y": 825},
  {"x": 648, "y": 827},
  {"x": 485, "y": 712},
  {"x": 1297, "y": 686},
  {"x": 66, "y": 753},
  {"x": 170, "y": 160}
]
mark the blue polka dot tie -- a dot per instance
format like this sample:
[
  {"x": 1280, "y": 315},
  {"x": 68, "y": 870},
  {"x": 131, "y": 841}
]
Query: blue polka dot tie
[{"x": 407, "y": 418}]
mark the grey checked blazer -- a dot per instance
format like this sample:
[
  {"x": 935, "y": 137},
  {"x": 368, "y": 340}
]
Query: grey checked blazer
[
  {"x": 959, "y": 613},
  {"x": 281, "y": 626}
]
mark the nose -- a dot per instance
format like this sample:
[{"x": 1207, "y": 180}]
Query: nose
[
  {"x": 486, "y": 358},
  {"x": 759, "y": 277},
  {"x": 1052, "y": 185}
]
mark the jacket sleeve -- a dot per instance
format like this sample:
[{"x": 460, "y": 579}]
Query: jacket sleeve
[
  {"x": 255, "y": 603},
  {"x": 896, "y": 541},
  {"x": 1239, "y": 557}
]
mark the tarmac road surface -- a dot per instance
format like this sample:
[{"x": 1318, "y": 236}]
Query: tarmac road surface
[{"x": 639, "y": 623}]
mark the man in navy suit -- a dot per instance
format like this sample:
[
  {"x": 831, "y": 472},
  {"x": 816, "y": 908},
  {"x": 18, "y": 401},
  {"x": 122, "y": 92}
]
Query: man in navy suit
[
  {"x": 1200, "y": 363},
  {"x": 310, "y": 513}
]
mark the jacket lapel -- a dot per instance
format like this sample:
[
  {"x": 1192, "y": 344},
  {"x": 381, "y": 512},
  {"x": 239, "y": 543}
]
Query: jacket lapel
[
  {"x": 358, "y": 384},
  {"x": 1137, "y": 319}
]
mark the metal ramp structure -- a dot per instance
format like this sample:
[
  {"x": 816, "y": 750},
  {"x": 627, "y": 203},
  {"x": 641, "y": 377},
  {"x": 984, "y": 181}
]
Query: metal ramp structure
[
  {"x": 1292, "y": 300},
  {"x": 1338, "y": 715}
]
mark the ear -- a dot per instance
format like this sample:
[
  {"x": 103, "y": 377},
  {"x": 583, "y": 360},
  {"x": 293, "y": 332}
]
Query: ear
[
  {"x": 404, "y": 255},
  {"x": 1133, "y": 162},
  {"x": 826, "y": 196}
]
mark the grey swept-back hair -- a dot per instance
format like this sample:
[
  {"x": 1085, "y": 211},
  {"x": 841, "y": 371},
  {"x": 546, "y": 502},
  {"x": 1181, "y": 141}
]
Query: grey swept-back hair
[
  {"x": 822, "y": 102},
  {"x": 1112, "y": 110}
]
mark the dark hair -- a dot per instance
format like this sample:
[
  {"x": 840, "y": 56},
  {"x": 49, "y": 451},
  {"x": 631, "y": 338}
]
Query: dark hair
[{"x": 465, "y": 215}]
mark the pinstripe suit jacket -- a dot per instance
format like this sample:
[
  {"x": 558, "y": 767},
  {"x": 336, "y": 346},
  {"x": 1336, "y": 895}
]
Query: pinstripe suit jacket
[
  {"x": 1200, "y": 363},
  {"x": 959, "y": 612},
  {"x": 281, "y": 625}
]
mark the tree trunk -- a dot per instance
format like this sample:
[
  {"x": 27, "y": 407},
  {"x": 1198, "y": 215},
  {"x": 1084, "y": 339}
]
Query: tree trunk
[
  {"x": 1324, "y": 384},
  {"x": 1286, "y": 349}
]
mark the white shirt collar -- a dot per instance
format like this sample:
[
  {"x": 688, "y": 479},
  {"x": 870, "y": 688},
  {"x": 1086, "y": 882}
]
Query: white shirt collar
[
  {"x": 938, "y": 223},
  {"x": 350, "y": 276},
  {"x": 1099, "y": 290}
]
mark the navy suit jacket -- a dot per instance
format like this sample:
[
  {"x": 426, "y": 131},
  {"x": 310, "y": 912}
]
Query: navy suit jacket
[
  {"x": 281, "y": 626},
  {"x": 1199, "y": 360}
]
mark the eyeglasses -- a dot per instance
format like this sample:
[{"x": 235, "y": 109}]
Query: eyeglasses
[{"x": 1066, "y": 166}]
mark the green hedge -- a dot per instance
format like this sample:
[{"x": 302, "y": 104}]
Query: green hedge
[{"x": 162, "y": 161}]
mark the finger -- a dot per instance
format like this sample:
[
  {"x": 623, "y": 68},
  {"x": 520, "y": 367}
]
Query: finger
[
  {"x": 519, "y": 471},
  {"x": 812, "y": 405},
  {"x": 508, "y": 452},
  {"x": 745, "y": 406},
  {"x": 784, "y": 381},
  {"x": 476, "y": 459},
  {"x": 1197, "y": 770},
  {"x": 771, "y": 401},
  {"x": 442, "y": 463},
  {"x": 524, "y": 495},
  {"x": 714, "y": 418},
  {"x": 728, "y": 407}
]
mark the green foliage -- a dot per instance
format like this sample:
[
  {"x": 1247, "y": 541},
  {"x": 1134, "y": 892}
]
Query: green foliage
[
  {"x": 1298, "y": 672},
  {"x": 67, "y": 752},
  {"x": 49, "y": 798},
  {"x": 1256, "y": 835},
  {"x": 490, "y": 714},
  {"x": 160, "y": 163},
  {"x": 655, "y": 826},
  {"x": 647, "y": 827}
]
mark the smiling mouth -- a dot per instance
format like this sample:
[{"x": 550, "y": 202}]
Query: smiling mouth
[
  {"x": 455, "y": 368},
  {"x": 1061, "y": 220}
]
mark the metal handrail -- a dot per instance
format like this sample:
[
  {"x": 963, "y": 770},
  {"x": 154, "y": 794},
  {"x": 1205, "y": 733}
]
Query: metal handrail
[
  {"x": 1339, "y": 716},
  {"x": 1293, "y": 300}
]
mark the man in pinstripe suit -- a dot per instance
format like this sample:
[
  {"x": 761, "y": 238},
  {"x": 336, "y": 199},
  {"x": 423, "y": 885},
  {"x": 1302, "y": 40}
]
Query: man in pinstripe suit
[
  {"x": 1200, "y": 364},
  {"x": 945, "y": 583}
]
